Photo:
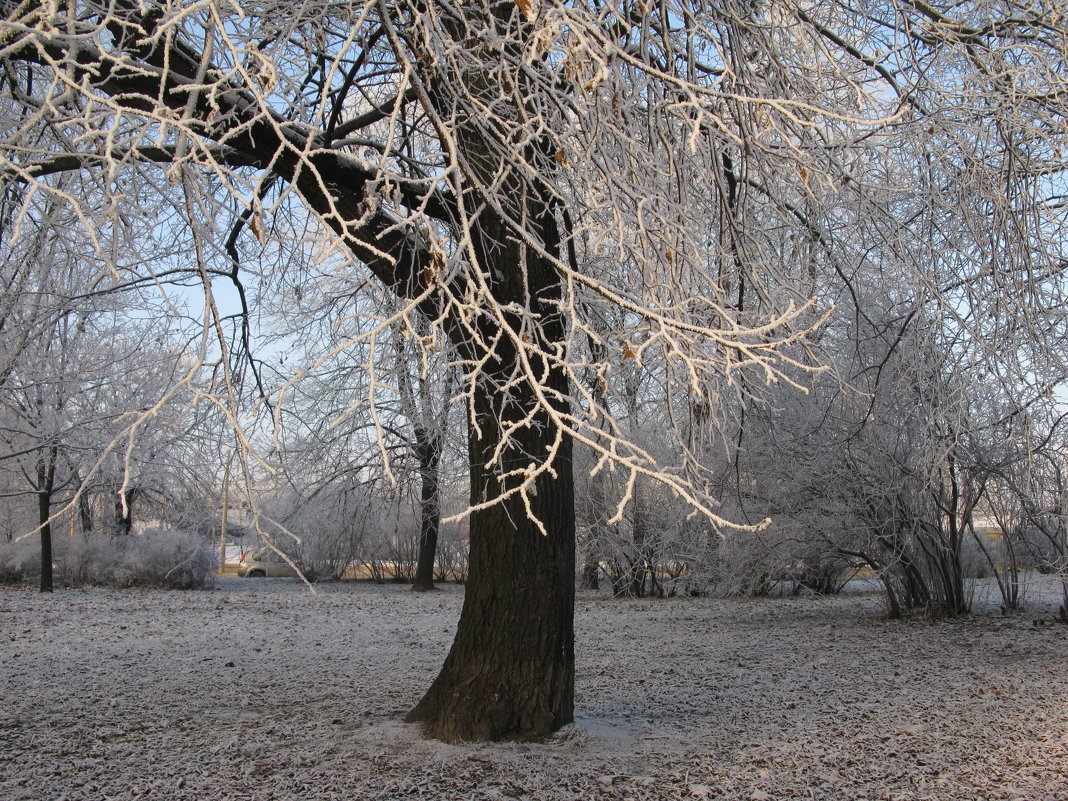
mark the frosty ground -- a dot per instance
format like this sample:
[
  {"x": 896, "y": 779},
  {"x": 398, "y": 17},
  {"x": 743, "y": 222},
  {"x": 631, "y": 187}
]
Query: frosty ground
[{"x": 258, "y": 689}]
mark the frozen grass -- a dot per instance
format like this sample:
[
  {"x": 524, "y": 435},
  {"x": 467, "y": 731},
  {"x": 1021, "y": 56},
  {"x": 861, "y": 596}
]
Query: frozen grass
[{"x": 258, "y": 690}]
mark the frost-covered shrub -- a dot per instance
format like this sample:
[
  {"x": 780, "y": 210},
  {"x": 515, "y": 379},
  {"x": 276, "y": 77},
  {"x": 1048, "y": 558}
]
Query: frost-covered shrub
[
  {"x": 20, "y": 561},
  {"x": 158, "y": 557},
  {"x": 453, "y": 551},
  {"x": 88, "y": 560},
  {"x": 974, "y": 563},
  {"x": 165, "y": 558},
  {"x": 325, "y": 551}
]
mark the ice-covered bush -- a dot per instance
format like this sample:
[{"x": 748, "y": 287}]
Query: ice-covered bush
[
  {"x": 157, "y": 557},
  {"x": 20, "y": 561},
  {"x": 86, "y": 560},
  {"x": 166, "y": 558}
]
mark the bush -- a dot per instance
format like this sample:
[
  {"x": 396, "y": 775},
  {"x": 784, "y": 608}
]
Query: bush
[
  {"x": 20, "y": 561},
  {"x": 166, "y": 558},
  {"x": 325, "y": 552},
  {"x": 158, "y": 557},
  {"x": 89, "y": 560}
]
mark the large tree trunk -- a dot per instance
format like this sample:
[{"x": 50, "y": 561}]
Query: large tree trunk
[
  {"x": 510, "y": 673},
  {"x": 428, "y": 452}
]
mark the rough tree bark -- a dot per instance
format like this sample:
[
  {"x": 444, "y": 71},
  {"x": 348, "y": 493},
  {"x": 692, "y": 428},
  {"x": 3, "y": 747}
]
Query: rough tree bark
[{"x": 510, "y": 672}]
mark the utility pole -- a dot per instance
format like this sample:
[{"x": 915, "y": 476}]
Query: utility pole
[{"x": 225, "y": 510}]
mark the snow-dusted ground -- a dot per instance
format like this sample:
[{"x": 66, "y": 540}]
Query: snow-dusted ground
[{"x": 260, "y": 690}]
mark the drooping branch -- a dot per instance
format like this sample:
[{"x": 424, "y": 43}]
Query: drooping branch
[{"x": 241, "y": 132}]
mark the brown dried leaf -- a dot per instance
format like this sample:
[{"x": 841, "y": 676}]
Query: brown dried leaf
[
  {"x": 256, "y": 225},
  {"x": 434, "y": 267}
]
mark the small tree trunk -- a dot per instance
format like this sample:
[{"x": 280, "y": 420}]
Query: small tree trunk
[
  {"x": 85, "y": 513},
  {"x": 124, "y": 512},
  {"x": 428, "y": 451},
  {"x": 43, "y": 513},
  {"x": 636, "y": 589},
  {"x": 46, "y": 483},
  {"x": 1013, "y": 570}
]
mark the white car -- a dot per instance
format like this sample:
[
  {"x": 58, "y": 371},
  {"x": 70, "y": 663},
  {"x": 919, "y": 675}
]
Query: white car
[{"x": 265, "y": 563}]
